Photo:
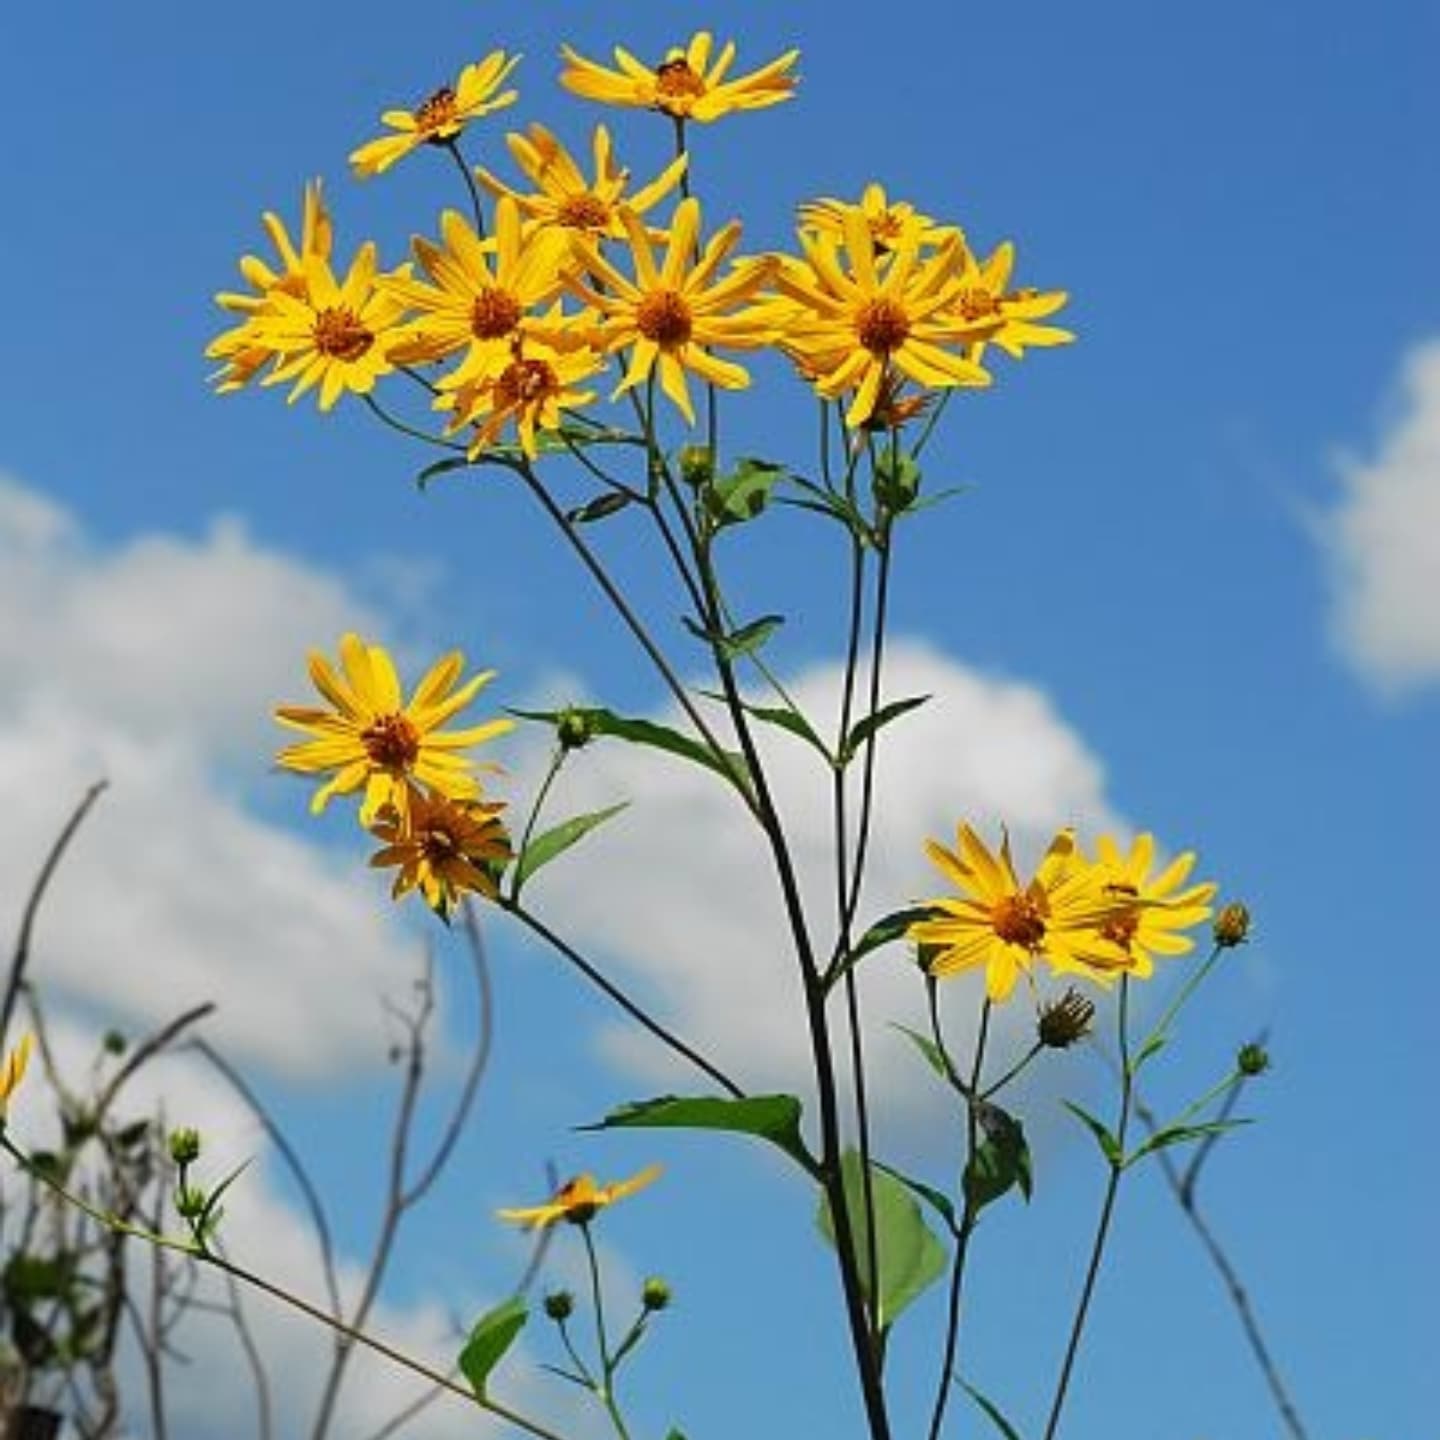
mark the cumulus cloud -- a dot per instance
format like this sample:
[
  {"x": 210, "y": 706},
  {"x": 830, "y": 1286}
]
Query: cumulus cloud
[
  {"x": 1383, "y": 541},
  {"x": 677, "y": 893},
  {"x": 154, "y": 665}
]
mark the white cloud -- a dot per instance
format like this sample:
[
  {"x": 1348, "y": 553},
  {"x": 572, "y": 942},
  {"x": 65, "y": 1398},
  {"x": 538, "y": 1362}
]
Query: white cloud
[
  {"x": 154, "y": 665},
  {"x": 1383, "y": 541},
  {"x": 677, "y": 894}
]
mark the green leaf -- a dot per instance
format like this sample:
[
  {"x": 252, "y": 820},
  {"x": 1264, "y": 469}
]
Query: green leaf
[
  {"x": 600, "y": 508},
  {"x": 784, "y": 716},
  {"x": 909, "y": 1258},
  {"x": 934, "y": 1056},
  {"x": 864, "y": 729},
  {"x": 441, "y": 467},
  {"x": 1181, "y": 1135},
  {"x": 492, "y": 1335},
  {"x": 744, "y": 641},
  {"x": 29, "y": 1278},
  {"x": 991, "y": 1409},
  {"x": 1001, "y": 1161},
  {"x": 543, "y": 848},
  {"x": 885, "y": 931},
  {"x": 600, "y": 721},
  {"x": 937, "y": 1200},
  {"x": 1109, "y": 1145},
  {"x": 1150, "y": 1048},
  {"x": 745, "y": 491},
  {"x": 775, "y": 1118},
  {"x": 897, "y": 482}
]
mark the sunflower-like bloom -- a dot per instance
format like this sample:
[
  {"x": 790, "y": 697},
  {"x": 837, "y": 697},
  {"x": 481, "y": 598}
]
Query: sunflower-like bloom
[
  {"x": 579, "y": 1200},
  {"x": 12, "y": 1072},
  {"x": 1162, "y": 908},
  {"x": 376, "y": 740},
  {"x": 482, "y": 293},
  {"x": 564, "y": 197},
  {"x": 671, "y": 313},
  {"x": 1003, "y": 925},
  {"x": 444, "y": 848},
  {"x": 242, "y": 356},
  {"x": 855, "y": 323},
  {"x": 685, "y": 84},
  {"x": 532, "y": 392},
  {"x": 440, "y": 118},
  {"x": 1003, "y": 317},
  {"x": 890, "y": 222},
  {"x": 320, "y": 331}
]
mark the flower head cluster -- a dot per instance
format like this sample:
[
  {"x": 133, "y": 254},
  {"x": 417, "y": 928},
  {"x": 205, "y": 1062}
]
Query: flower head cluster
[
  {"x": 420, "y": 795},
  {"x": 882, "y": 295},
  {"x": 1096, "y": 919}
]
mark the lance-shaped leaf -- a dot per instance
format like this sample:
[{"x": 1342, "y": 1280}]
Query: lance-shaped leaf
[
  {"x": 735, "y": 643},
  {"x": 934, "y": 1057},
  {"x": 785, "y": 717},
  {"x": 864, "y": 728},
  {"x": 543, "y": 848},
  {"x": 991, "y": 1409},
  {"x": 1109, "y": 1145},
  {"x": 492, "y": 1335},
  {"x": 437, "y": 468},
  {"x": 908, "y": 1256},
  {"x": 612, "y": 502},
  {"x": 775, "y": 1118},
  {"x": 885, "y": 931},
  {"x": 1001, "y": 1161},
  {"x": 1181, "y": 1135},
  {"x": 937, "y": 1200},
  {"x": 599, "y": 721}
]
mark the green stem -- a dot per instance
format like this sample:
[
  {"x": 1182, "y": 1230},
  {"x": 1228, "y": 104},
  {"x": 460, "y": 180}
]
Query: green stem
[
  {"x": 476, "y": 208},
  {"x": 1013, "y": 1071},
  {"x": 557, "y": 762},
  {"x": 1179, "y": 1002},
  {"x": 387, "y": 418},
  {"x": 1107, "y": 1212},
  {"x": 607, "y": 1365}
]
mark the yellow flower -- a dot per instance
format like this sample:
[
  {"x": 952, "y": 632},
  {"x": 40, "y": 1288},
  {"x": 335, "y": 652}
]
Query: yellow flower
[
  {"x": 442, "y": 847},
  {"x": 890, "y": 222},
  {"x": 531, "y": 392},
  {"x": 672, "y": 312},
  {"x": 1155, "y": 924},
  {"x": 438, "y": 120},
  {"x": 565, "y": 197},
  {"x": 13, "y": 1070},
  {"x": 854, "y": 324},
  {"x": 1002, "y": 925},
  {"x": 328, "y": 333},
  {"x": 685, "y": 85},
  {"x": 482, "y": 294},
  {"x": 579, "y": 1199},
  {"x": 375, "y": 739},
  {"x": 243, "y": 358},
  {"x": 1007, "y": 317}
]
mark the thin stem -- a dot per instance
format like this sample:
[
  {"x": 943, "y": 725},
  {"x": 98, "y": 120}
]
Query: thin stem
[
  {"x": 382, "y": 414},
  {"x": 606, "y": 1390},
  {"x": 1186, "y": 991},
  {"x": 552, "y": 772},
  {"x": 476, "y": 208},
  {"x": 1021, "y": 1064},
  {"x": 538, "y": 927},
  {"x": 1107, "y": 1211},
  {"x": 968, "y": 1217}
]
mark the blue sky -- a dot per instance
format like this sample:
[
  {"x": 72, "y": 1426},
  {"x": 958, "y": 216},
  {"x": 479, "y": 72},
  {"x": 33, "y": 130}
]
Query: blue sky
[{"x": 1194, "y": 571}]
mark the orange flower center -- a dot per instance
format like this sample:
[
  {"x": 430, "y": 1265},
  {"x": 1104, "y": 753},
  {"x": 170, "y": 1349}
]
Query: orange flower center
[
  {"x": 1017, "y": 920},
  {"x": 886, "y": 227},
  {"x": 391, "y": 741},
  {"x": 438, "y": 844},
  {"x": 525, "y": 382},
  {"x": 976, "y": 303},
  {"x": 340, "y": 333},
  {"x": 583, "y": 212},
  {"x": 664, "y": 317},
  {"x": 677, "y": 86},
  {"x": 882, "y": 325},
  {"x": 494, "y": 313},
  {"x": 435, "y": 115},
  {"x": 1120, "y": 928}
]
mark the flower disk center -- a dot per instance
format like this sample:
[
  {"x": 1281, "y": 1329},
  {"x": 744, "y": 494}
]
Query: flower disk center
[
  {"x": 391, "y": 741},
  {"x": 677, "y": 86},
  {"x": 583, "y": 212},
  {"x": 494, "y": 313},
  {"x": 439, "y": 845},
  {"x": 882, "y": 326},
  {"x": 664, "y": 317},
  {"x": 524, "y": 382},
  {"x": 1017, "y": 920},
  {"x": 340, "y": 333},
  {"x": 1120, "y": 928},
  {"x": 436, "y": 115},
  {"x": 976, "y": 303}
]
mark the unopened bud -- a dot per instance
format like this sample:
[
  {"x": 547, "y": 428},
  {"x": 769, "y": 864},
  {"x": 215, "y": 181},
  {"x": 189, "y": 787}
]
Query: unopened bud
[
  {"x": 656, "y": 1294},
  {"x": 697, "y": 465},
  {"x": 1232, "y": 926},
  {"x": 190, "y": 1201},
  {"x": 1064, "y": 1021},
  {"x": 559, "y": 1304},
  {"x": 185, "y": 1146},
  {"x": 574, "y": 729},
  {"x": 1252, "y": 1060}
]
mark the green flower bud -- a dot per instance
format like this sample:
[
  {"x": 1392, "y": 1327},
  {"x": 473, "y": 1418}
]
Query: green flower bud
[
  {"x": 656, "y": 1294},
  {"x": 190, "y": 1201},
  {"x": 574, "y": 729},
  {"x": 559, "y": 1305},
  {"x": 697, "y": 465},
  {"x": 185, "y": 1146},
  {"x": 1232, "y": 926},
  {"x": 1252, "y": 1060}
]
